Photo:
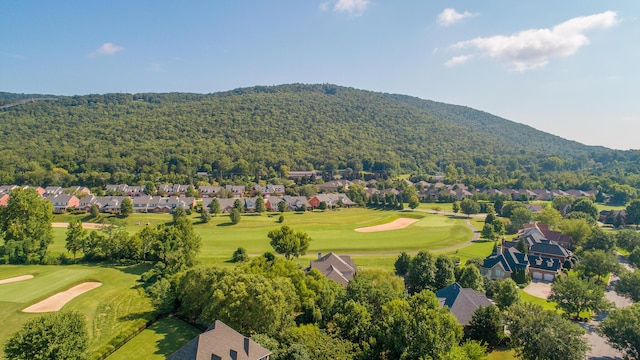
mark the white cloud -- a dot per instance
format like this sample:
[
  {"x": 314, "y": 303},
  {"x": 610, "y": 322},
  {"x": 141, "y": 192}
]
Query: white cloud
[
  {"x": 353, "y": 7},
  {"x": 106, "y": 49},
  {"x": 533, "y": 48},
  {"x": 450, "y": 16},
  {"x": 458, "y": 60}
]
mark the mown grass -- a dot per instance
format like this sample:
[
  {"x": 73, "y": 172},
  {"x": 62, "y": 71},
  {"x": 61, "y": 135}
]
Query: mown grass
[
  {"x": 112, "y": 308},
  {"x": 158, "y": 341},
  {"x": 330, "y": 231}
]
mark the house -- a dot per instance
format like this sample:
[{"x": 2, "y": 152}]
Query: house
[
  {"x": 78, "y": 191},
  {"x": 502, "y": 264},
  {"x": 53, "y": 190},
  {"x": 462, "y": 302},
  {"x": 237, "y": 190},
  {"x": 334, "y": 185},
  {"x": 332, "y": 200},
  {"x": 534, "y": 208},
  {"x": 226, "y": 204},
  {"x": 62, "y": 202},
  {"x": 4, "y": 199},
  {"x": 136, "y": 190},
  {"x": 339, "y": 268},
  {"x": 209, "y": 191},
  {"x": 221, "y": 342},
  {"x": 119, "y": 189},
  {"x": 294, "y": 203},
  {"x": 267, "y": 190},
  {"x": 535, "y": 232}
]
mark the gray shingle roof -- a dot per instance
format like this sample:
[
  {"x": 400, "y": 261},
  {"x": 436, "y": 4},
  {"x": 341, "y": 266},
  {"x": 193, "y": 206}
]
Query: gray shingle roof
[
  {"x": 220, "y": 341},
  {"x": 462, "y": 302}
]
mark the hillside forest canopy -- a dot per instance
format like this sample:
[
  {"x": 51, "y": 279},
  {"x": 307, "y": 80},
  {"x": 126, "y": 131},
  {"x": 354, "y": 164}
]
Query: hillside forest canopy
[{"x": 253, "y": 133}]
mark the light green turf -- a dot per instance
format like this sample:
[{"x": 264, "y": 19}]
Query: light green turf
[
  {"x": 109, "y": 309},
  {"x": 158, "y": 341},
  {"x": 502, "y": 354},
  {"x": 330, "y": 231}
]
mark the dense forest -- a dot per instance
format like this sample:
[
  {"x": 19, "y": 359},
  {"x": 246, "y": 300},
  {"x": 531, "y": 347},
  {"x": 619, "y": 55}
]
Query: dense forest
[{"x": 251, "y": 132}]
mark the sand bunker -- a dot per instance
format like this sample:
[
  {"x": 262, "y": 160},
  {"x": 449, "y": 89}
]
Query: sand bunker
[
  {"x": 16, "y": 279},
  {"x": 394, "y": 225},
  {"x": 90, "y": 226},
  {"x": 57, "y": 301}
]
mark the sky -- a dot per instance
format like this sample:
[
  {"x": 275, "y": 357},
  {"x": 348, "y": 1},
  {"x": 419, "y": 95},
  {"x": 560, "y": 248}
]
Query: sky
[{"x": 569, "y": 67}]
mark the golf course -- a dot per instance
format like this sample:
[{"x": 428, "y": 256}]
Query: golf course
[{"x": 116, "y": 307}]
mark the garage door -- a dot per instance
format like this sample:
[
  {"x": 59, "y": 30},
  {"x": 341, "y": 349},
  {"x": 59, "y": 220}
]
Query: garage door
[
  {"x": 537, "y": 275},
  {"x": 548, "y": 277}
]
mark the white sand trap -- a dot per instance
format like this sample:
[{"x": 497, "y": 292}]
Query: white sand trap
[
  {"x": 57, "y": 301},
  {"x": 90, "y": 226},
  {"x": 16, "y": 279},
  {"x": 394, "y": 225}
]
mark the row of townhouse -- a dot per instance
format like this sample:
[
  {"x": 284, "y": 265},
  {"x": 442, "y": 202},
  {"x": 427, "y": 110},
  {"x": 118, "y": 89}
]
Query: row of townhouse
[
  {"x": 141, "y": 204},
  {"x": 237, "y": 191},
  {"x": 293, "y": 203}
]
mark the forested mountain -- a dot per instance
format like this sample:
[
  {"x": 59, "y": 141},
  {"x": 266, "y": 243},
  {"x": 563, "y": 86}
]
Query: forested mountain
[{"x": 251, "y": 132}]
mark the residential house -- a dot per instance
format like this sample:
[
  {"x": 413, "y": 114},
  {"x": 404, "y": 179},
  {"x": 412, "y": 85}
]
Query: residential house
[
  {"x": 299, "y": 175},
  {"x": 294, "y": 203},
  {"x": 62, "y": 202},
  {"x": 78, "y": 191},
  {"x": 462, "y": 302},
  {"x": 134, "y": 191},
  {"x": 534, "y": 208},
  {"x": 119, "y": 189},
  {"x": 502, "y": 264},
  {"x": 226, "y": 204},
  {"x": 53, "y": 190},
  {"x": 334, "y": 185},
  {"x": 538, "y": 233},
  {"x": 221, "y": 342},
  {"x": 332, "y": 200},
  {"x": 237, "y": 190},
  {"x": 267, "y": 190},
  {"x": 339, "y": 268},
  {"x": 209, "y": 191},
  {"x": 4, "y": 199}
]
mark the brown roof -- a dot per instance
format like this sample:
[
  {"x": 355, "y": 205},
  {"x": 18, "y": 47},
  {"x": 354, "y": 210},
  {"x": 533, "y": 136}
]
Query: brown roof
[
  {"x": 221, "y": 342},
  {"x": 340, "y": 269}
]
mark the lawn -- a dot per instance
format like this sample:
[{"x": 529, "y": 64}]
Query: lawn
[
  {"x": 330, "y": 231},
  {"x": 158, "y": 341},
  {"x": 114, "y": 307}
]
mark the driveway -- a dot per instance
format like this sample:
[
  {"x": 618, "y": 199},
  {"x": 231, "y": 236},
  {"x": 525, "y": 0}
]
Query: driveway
[{"x": 538, "y": 288}]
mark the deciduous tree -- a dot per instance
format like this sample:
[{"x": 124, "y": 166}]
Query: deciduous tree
[
  {"x": 574, "y": 295},
  {"x": 288, "y": 242},
  {"x": 57, "y": 335},
  {"x": 622, "y": 330}
]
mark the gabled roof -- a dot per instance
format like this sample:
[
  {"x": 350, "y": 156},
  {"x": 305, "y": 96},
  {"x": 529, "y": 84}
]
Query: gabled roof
[
  {"x": 462, "y": 302},
  {"x": 511, "y": 260},
  {"x": 220, "y": 342},
  {"x": 340, "y": 269},
  {"x": 544, "y": 263}
]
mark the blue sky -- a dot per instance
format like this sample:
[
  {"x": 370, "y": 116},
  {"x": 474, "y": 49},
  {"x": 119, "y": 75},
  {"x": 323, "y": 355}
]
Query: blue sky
[{"x": 565, "y": 67}]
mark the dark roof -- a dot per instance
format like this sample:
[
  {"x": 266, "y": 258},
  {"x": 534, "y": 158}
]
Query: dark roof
[
  {"x": 337, "y": 268},
  {"x": 544, "y": 263},
  {"x": 221, "y": 342},
  {"x": 550, "y": 248},
  {"x": 462, "y": 302},
  {"x": 511, "y": 260}
]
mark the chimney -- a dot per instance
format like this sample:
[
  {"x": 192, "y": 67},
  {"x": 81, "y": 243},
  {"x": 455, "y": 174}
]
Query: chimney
[
  {"x": 319, "y": 255},
  {"x": 246, "y": 346}
]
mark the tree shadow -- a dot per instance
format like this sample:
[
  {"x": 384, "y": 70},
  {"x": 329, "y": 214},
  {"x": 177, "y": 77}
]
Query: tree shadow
[
  {"x": 176, "y": 334},
  {"x": 225, "y": 224}
]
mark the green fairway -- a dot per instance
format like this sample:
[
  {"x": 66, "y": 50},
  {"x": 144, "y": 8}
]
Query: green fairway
[
  {"x": 114, "y": 307},
  {"x": 158, "y": 341},
  {"x": 330, "y": 231}
]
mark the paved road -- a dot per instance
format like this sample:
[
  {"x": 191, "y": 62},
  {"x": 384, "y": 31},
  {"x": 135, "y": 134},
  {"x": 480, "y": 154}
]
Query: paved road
[{"x": 600, "y": 350}]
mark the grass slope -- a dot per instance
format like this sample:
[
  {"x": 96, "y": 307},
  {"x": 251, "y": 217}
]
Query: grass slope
[
  {"x": 109, "y": 309},
  {"x": 158, "y": 341}
]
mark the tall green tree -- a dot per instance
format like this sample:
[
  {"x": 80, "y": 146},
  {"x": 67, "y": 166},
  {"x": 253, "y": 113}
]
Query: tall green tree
[
  {"x": 126, "y": 207},
  {"x": 600, "y": 240},
  {"x": 531, "y": 328},
  {"x": 288, "y": 242},
  {"x": 470, "y": 277},
  {"x": 421, "y": 274},
  {"x": 574, "y": 295},
  {"x": 597, "y": 263},
  {"x": 629, "y": 285},
  {"x": 238, "y": 205},
  {"x": 25, "y": 225},
  {"x": 260, "y": 207},
  {"x": 507, "y": 294},
  {"x": 633, "y": 212},
  {"x": 57, "y": 335},
  {"x": 234, "y": 216},
  {"x": 402, "y": 264},
  {"x": 486, "y": 326},
  {"x": 469, "y": 206},
  {"x": 205, "y": 217},
  {"x": 622, "y": 331},
  {"x": 550, "y": 216},
  {"x": 178, "y": 212},
  {"x": 445, "y": 272},
  {"x": 455, "y": 207},
  {"x": 76, "y": 236},
  {"x": 214, "y": 206}
]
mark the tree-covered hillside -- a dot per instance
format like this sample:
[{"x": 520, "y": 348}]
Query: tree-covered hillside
[{"x": 253, "y": 131}]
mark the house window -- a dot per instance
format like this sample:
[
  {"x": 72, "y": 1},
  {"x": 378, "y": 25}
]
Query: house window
[{"x": 498, "y": 272}]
